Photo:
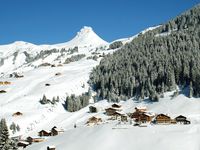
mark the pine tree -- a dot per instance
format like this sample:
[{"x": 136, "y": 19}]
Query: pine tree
[{"x": 4, "y": 135}]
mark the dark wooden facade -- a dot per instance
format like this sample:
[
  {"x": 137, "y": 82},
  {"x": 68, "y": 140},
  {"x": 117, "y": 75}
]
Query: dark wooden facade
[
  {"x": 31, "y": 139},
  {"x": 110, "y": 111},
  {"x": 94, "y": 120},
  {"x": 54, "y": 131},
  {"x": 180, "y": 119},
  {"x": 22, "y": 144},
  {"x": 51, "y": 148},
  {"x": 162, "y": 118},
  {"x": 44, "y": 133},
  {"x": 145, "y": 118}
]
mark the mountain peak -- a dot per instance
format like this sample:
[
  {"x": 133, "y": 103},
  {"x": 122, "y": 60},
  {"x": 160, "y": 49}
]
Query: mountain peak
[
  {"x": 85, "y": 37},
  {"x": 85, "y": 30}
]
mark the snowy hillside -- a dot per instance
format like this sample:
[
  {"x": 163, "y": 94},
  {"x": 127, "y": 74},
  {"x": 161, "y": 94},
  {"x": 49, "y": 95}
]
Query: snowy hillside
[
  {"x": 20, "y": 54},
  {"x": 126, "y": 136},
  {"x": 29, "y": 71}
]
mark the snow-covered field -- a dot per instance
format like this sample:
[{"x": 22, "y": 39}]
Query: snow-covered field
[
  {"x": 23, "y": 95},
  {"x": 111, "y": 135}
]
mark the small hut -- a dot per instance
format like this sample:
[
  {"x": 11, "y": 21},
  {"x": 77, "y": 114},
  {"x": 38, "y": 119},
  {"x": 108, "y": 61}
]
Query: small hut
[
  {"x": 17, "y": 114},
  {"x": 23, "y": 144},
  {"x": 44, "y": 133},
  {"x": 54, "y": 131},
  {"x": 94, "y": 120},
  {"x": 180, "y": 119},
  {"x": 51, "y": 147},
  {"x": 2, "y": 91},
  {"x": 34, "y": 139}
]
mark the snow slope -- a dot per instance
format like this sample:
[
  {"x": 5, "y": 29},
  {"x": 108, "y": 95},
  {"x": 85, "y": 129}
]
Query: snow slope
[
  {"x": 23, "y": 94},
  {"x": 126, "y": 136},
  {"x": 18, "y": 54}
]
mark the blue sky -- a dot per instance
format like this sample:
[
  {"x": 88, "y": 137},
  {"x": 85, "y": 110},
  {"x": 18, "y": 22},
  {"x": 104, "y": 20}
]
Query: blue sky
[{"x": 55, "y": 21}]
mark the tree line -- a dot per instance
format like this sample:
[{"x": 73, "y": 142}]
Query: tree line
[{"x": 154, "y": 62}]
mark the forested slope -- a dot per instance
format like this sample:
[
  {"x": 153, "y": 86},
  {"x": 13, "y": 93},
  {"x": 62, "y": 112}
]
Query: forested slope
[{"x": 154, "y": 62}]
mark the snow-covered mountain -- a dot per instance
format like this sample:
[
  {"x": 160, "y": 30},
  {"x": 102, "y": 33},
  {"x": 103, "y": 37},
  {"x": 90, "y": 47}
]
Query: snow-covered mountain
[
  {"x": 42, "y": 65},
  {"x": 18, "y": 54},
  {"x": 86, "y": 37}
]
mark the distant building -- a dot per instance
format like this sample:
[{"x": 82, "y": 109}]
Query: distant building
[
  {"x": 51, "y": 148},
  {"x": 44, "y": 133},
  {"x": 94, "y": 120},
  {"x": 182, "y": 119},
  {"x": 17, "y": 114},
  {"x": 120, "y": 116},
  {"x": 110, "y": 111},
  {"x": 145, "y": 117},
  {"x": 34, "y": 139},
  {"x": 162, "y": 118},
  {"x": 23, "y": 144}
]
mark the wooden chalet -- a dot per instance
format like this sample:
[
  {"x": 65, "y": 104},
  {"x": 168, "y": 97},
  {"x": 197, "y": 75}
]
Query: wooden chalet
[
  {"x": 162, "y": 118},
  {"x": 23, "y": 144},
  {"x": 55, "y": 131},
  {"x": 138, "y": 111},
  {"x": 182, "y": 119},
  {"x": 110, "y": 111},
  {"x": 94, "y": 120},
  {"x": 93, "y": 109},
  {"x": 51, "y": 148},
  {"x": 145, "y": 117},
  {"x": 2, "y": 91},
  {"x": 120, "y": 116},
  {"x": 7, "y": 82},
  {"x": 44, "y": 133},
  {"x": 17, "y": 114},
  {"x": 32, "y": 139}
]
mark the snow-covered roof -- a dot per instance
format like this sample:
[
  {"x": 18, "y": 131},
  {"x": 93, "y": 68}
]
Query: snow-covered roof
[
  {"x": 52, "y": 146},
  {"x": 150, "y": 114},
  {"x": 24, "y": 142},
  {"x": 141, "y": 107},
  {"x": 121, "y": 113}
]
